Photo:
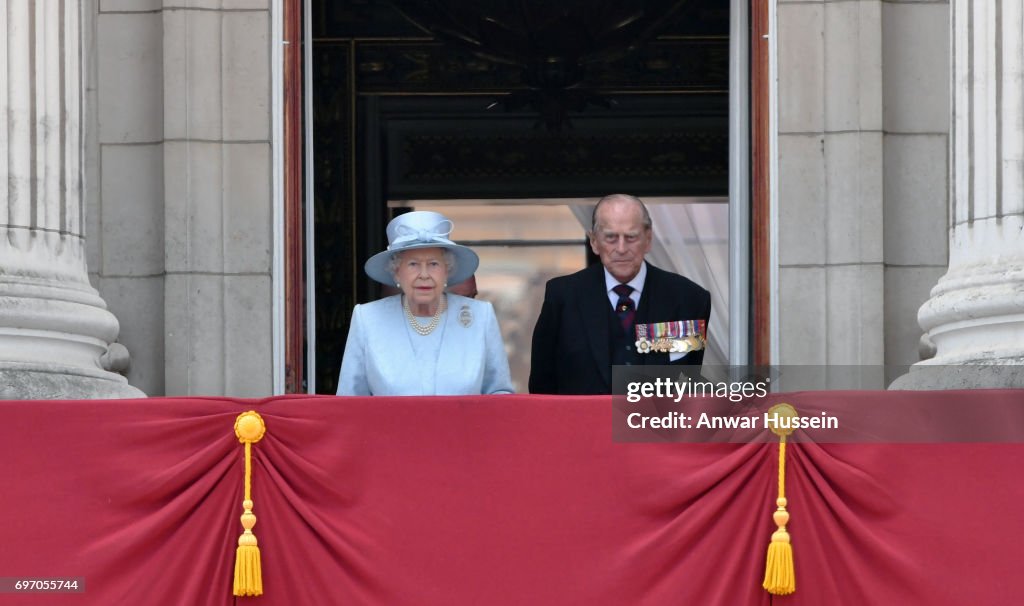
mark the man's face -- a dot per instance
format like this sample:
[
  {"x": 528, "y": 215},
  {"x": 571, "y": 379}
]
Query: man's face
[{"x": 620, "y": 238}]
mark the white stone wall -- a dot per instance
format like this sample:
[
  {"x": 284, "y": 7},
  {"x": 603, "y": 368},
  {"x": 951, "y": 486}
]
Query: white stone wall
[
  {"x": 916, "y": 62},
  {"x": 179, "y": 194},
  {"x": 863, "y": 117},
  {"x": 178, "y": 182},
  {"x": 975, "y": 316}
]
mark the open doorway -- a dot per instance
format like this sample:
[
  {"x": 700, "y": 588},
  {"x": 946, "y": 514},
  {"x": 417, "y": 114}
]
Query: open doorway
[
  {"x": 524, "y": 243},
  {"x": 397, "y": 115}
]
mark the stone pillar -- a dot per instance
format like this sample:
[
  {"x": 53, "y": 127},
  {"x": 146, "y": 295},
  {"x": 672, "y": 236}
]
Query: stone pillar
[
  {"x": 830, "y": 162},
  {"x": 975, "y": 317},
  {"x": 218, "y": 209},
  {"x": 55, "y": 330}
]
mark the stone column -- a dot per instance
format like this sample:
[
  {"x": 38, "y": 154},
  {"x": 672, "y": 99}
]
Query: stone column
[
  {"x": 55, "y": 330},
  {"x": 974, "y": 320},
  {"x": 830, "y": 185}
]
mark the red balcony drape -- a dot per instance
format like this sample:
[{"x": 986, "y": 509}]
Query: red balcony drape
[{"x": 492, "y": 501}]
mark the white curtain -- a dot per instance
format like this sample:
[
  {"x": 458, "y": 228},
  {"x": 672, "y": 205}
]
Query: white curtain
[{"x": 692, "y": 240}]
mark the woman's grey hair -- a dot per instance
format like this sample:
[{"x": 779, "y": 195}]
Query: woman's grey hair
[{"x": 449, "y": 261}]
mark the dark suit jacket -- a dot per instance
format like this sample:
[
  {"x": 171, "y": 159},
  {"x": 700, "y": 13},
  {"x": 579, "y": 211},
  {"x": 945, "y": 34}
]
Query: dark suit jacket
[{"x": 571, "y": 342}]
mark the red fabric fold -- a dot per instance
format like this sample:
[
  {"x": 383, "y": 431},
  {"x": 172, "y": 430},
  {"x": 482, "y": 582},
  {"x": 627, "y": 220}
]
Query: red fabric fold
[{"x": 501, "y": 500}]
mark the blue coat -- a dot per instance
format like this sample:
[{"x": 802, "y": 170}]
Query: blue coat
[{"x": 380, "y": 358}]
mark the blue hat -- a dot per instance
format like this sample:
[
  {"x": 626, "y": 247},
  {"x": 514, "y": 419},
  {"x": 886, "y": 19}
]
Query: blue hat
[{"x": 421, "y": 229}]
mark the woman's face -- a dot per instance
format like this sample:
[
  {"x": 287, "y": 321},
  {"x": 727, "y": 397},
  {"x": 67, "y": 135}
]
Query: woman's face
[{"x": 422, "y": 274}]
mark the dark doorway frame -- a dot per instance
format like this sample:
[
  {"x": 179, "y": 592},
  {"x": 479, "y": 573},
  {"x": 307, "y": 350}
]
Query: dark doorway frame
[{"x": 296, "y": 317}]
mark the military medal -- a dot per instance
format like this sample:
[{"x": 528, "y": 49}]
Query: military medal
[{"x": 682, "y": 336}]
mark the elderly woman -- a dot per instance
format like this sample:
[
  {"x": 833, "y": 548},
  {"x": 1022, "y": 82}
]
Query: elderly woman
[{"x": 423, "y": 341}]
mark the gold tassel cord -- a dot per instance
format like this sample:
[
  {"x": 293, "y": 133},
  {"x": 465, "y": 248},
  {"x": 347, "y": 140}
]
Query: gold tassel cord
[
  {"x": 779, "y": 576},
  {"x": 249, "y": 428}
]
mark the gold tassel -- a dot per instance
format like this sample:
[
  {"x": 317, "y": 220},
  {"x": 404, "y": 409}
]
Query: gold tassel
[
  {"x": 779, "y": 577},
  {"x": 249, "y": 428}
]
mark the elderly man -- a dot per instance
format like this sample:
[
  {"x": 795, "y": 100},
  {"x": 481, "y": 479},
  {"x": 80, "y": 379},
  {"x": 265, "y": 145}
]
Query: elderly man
[{"x": 595, "y": 318}]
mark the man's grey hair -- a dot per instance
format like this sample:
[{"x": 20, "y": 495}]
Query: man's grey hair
[
  {"x": 613, "y": 197},
  {"x": 449, "y": 261}
]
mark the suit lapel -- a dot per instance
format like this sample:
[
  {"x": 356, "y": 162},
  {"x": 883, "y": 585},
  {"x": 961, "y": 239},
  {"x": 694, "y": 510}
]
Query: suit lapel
[
  {"x": 653, "y": 309},
  {"x": 594, "y": 308}
]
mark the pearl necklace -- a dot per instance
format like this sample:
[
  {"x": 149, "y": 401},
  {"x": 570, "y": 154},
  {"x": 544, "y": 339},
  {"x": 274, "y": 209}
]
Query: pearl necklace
[{"x": 429, "y": 328}]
